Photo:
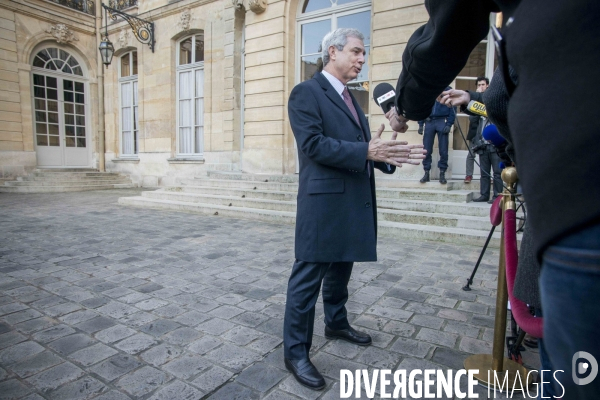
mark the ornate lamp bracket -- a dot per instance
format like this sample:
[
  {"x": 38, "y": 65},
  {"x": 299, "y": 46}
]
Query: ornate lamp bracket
[{"x": 142, "y": 29}]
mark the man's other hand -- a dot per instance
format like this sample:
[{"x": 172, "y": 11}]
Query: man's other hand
[
  {"x": 397, "y": 122},
  {"x": 454, "y": 97},
  {"x": 394, "y": 152}
]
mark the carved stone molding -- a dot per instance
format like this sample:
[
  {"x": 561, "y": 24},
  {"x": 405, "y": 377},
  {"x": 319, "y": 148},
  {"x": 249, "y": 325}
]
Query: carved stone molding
[
  {"x": 62, "y": 33},
  {"x": 257, "y": 6},
  {"x": 185, "y": 20},
  {"x": 124, "y": 37}
]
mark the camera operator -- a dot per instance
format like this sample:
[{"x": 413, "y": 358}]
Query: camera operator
[
  {"x": 488, "y": 159},
  {"x": 554, "y": 48},
  {"x": 482, "y": 85}
]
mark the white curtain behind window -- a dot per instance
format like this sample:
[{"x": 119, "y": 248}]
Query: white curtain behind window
[
  {"x": 126, "y": 115},
  {"x": 186, "y": 140},
  {"x": 199, "y": 118}
]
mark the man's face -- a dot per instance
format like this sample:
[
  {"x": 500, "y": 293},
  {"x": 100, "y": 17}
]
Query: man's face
[
  {"x": 348, "y": 62},
  {"x": 482, "y": 86}
]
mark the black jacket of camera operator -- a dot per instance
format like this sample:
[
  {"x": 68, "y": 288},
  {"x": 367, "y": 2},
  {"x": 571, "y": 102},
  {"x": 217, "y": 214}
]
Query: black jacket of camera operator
[{"x": 478, "y": 143}]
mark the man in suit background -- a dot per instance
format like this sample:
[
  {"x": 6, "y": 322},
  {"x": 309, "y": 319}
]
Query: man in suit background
[{"x": 336, "y": 222}]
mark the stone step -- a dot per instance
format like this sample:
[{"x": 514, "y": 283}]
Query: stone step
[
  {"x": 472, "y": 209},
  {"x": 440, "y": 234},
  {"x": 235, "y": 201},
  {"x": 211, "y": 209},
  {"x": 71, "y": 175},
  {"x": 83, "y": 183},
  {"x": 56, "y": 189},
  {"x": 436, "y": 219},
  {"x": 59, "y": 170},
  {"x": 453, "y": 234},
  {"x": 248, "y": 193},
  {"x": 241, "y": 184},
  {"x": 255, "y": 191},
  {"x": 381, "y": 181},
  {"x": 414, "y": 217},
  {"x": 454, "y": 196},
  {"x": 243, "y": 176}
]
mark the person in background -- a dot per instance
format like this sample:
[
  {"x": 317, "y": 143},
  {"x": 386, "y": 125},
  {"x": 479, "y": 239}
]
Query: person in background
[
  {"x": 438, "y": 123},
  {"x": 489, "y": 162},
  {"x": 482, "y": 84}
]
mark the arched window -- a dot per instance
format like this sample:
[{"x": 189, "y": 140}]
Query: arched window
[
  {"x": 190, "y": 96},
  {"x": 60, "y": 96},
  {"x": 128, "y": 83},
  {"x": 319, "y": 17},
  {"x": 57, "y": 60}
]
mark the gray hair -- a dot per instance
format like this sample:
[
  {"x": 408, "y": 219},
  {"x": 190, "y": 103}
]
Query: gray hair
[{"x": 338, "y": 38}]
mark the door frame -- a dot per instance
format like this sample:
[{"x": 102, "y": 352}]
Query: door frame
[{"x": 60, "y": 76}]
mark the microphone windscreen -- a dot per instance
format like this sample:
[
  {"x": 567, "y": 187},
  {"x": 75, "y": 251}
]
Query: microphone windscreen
[
  {"x": 491, "y": 134},
  {"x": 384, "y": 95}
]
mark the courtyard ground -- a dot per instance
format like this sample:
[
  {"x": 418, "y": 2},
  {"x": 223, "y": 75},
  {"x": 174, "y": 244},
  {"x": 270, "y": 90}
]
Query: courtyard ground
[{"x": 107, "y": 302}]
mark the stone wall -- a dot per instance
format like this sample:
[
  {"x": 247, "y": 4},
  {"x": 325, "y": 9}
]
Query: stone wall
[
  {"x": 157, "y": 163},
  {"x": 24, "y": 28},
  {"x": 246, "y": 125}
]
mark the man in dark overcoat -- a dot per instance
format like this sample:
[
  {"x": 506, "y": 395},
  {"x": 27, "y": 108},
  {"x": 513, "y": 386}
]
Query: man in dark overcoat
[{"x": 336, "y": 221}]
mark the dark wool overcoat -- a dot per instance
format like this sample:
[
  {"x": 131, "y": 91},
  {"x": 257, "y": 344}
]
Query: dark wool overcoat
[{"x": 337, "y": 214}]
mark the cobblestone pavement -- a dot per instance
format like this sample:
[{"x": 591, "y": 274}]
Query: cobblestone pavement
[{"x": 107, "y": 302}]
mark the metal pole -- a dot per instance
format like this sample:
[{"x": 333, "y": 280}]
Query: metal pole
[
  {"x": 100, "y": 71},
  {"x": 493, "y": 368}
]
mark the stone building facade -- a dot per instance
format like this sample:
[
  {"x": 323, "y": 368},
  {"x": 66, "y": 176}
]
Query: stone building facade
[{"x": 211, "y": 95}]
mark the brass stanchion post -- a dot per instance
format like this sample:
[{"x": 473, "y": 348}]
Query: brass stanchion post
[{"x": 494, "y": 367}]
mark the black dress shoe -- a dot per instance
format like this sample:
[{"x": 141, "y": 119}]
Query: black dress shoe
[
  {"x": 305, "y": 373},
  {"x": 350, "y": 335},
  {"x": 481, "y": 199}
]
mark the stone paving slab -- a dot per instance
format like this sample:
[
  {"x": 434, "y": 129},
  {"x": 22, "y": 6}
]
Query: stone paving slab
[{"x": 100, "y": 301}]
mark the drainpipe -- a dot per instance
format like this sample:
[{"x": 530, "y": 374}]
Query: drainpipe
[{"x": 100, "y": 131}]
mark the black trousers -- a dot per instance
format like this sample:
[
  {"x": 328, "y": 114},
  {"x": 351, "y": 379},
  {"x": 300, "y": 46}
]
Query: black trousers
[
  {"x": 489, "y": 159},
  {"x": 302, "y": 294}
]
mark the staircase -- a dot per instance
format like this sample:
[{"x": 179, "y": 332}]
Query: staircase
[
  {"x": 406, "y": 208},
  {"x": 66, "y": 180}
]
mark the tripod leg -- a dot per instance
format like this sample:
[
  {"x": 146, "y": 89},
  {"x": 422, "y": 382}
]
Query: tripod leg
[{"x": 467, "y": 287}]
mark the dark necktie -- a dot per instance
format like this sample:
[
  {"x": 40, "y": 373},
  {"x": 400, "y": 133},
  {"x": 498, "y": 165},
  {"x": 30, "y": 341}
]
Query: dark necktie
[{"x": 348, "y": 101}]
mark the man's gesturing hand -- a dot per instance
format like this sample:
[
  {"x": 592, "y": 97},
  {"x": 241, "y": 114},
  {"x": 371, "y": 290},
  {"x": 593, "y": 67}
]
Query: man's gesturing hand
[
  {"x": 393, "y": 151},
  {"x": 454, "y": 97}
]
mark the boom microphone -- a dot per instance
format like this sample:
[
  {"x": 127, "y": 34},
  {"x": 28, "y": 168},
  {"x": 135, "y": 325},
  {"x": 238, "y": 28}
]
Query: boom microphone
[{"x": 385, "y": 96}]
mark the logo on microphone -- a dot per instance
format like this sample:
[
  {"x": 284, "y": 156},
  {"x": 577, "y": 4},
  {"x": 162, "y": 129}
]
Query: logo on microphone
[
  {"x": 385, "y": 97},
  {"x": 585, "y": 368}
]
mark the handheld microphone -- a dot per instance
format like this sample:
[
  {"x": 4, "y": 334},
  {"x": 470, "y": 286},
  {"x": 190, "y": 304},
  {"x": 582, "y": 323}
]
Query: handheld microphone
[
  {"x": 491, "y": 134},
  {"x": 385, "y": 96},
  {"x": 476, "y": 108}
]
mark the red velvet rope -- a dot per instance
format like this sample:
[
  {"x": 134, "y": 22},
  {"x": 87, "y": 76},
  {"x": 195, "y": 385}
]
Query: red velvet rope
[
  {"x": 496, "y": 212},
  {"x": 520, "y": 311}
]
